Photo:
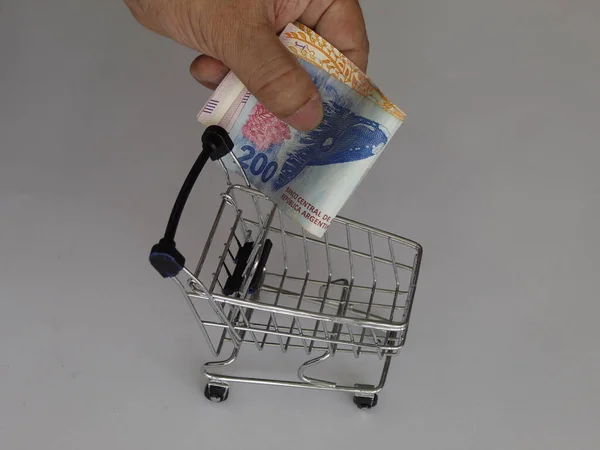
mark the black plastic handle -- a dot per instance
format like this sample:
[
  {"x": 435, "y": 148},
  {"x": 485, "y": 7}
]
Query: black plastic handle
[{"x": 164, "y": 256}]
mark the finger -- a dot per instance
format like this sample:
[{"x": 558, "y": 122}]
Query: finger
[
  {"x": 208, "y": 71},
  {"x": 340, "y": 22},
  {"x": 274, "y": 76}
]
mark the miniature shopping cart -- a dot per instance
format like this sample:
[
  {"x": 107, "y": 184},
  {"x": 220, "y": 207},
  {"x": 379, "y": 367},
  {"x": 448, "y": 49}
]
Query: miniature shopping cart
[{"x": 262, "y": 281}]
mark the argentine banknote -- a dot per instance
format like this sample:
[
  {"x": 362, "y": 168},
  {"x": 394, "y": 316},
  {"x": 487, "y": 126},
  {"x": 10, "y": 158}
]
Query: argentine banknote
[{"x": 309, "y": 175}]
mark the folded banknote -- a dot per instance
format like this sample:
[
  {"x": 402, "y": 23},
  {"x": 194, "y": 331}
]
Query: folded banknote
[{"x": 309, "y": 175}]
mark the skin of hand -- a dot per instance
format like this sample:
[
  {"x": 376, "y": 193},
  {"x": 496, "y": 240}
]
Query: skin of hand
[{"x": 241, "y": 35}]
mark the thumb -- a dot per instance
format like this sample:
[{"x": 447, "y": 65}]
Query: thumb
[{"x": 275, "y": 77}]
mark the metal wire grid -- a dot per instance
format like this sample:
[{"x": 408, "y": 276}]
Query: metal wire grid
[{"x": 350, "y": 291}]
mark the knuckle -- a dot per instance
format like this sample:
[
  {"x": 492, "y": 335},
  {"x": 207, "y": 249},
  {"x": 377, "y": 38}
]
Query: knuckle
[
  {"x": 141, "y": 10},
  {"x": 138, "y": 8},
  {"x": 134, "y": 7}
]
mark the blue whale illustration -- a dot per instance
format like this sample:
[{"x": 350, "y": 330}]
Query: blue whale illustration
[{"x": 342, "y": 137}]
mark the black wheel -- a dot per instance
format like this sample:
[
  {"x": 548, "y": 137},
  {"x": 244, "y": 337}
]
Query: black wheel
[
  {"x": 216, "y": 393},
  {"x": 365, "y": 402}
]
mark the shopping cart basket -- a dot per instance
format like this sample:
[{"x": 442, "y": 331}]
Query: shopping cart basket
[{"x": 262, "y": 281}]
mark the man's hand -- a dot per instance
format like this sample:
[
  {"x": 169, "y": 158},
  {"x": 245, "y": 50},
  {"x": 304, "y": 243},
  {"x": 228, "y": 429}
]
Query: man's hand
[{"x": 241, "y": 35}]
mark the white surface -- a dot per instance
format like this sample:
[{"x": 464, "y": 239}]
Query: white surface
[{"x": 495, "y": 172}]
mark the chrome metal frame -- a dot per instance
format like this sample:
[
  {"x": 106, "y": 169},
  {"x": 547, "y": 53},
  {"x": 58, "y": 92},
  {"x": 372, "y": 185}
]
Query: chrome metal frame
[{"x": 277, "y": 315}]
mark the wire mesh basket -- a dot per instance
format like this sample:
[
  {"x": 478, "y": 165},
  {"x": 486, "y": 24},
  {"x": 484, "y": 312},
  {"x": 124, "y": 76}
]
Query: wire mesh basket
[{"x": 262, "y": 281}]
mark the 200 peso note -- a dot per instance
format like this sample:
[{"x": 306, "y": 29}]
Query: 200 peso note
[{"x": 309, "y": 175}]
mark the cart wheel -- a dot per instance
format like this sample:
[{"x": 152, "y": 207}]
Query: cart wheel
[
  {"x": 365, "y": 402},
  {"x": 216, "y": 393}
]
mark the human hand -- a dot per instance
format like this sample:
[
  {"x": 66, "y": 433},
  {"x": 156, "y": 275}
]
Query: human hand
[{"x": 241, "y": 35}]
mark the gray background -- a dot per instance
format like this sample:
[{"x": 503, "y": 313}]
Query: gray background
[{"x": 495, "y": 172}]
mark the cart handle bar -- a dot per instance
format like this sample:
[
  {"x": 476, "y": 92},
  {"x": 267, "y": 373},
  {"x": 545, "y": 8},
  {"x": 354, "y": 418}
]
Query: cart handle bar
[{"x": 164, "y": 256}]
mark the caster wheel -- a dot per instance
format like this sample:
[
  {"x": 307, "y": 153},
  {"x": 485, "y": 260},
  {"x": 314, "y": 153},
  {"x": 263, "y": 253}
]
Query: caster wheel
[
  {"x": 216, "y": 393},
  {"x": 365, "y": 402}
]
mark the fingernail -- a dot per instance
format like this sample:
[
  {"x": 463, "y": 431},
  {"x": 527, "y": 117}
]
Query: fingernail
[{"x": 308, "y": 116}]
